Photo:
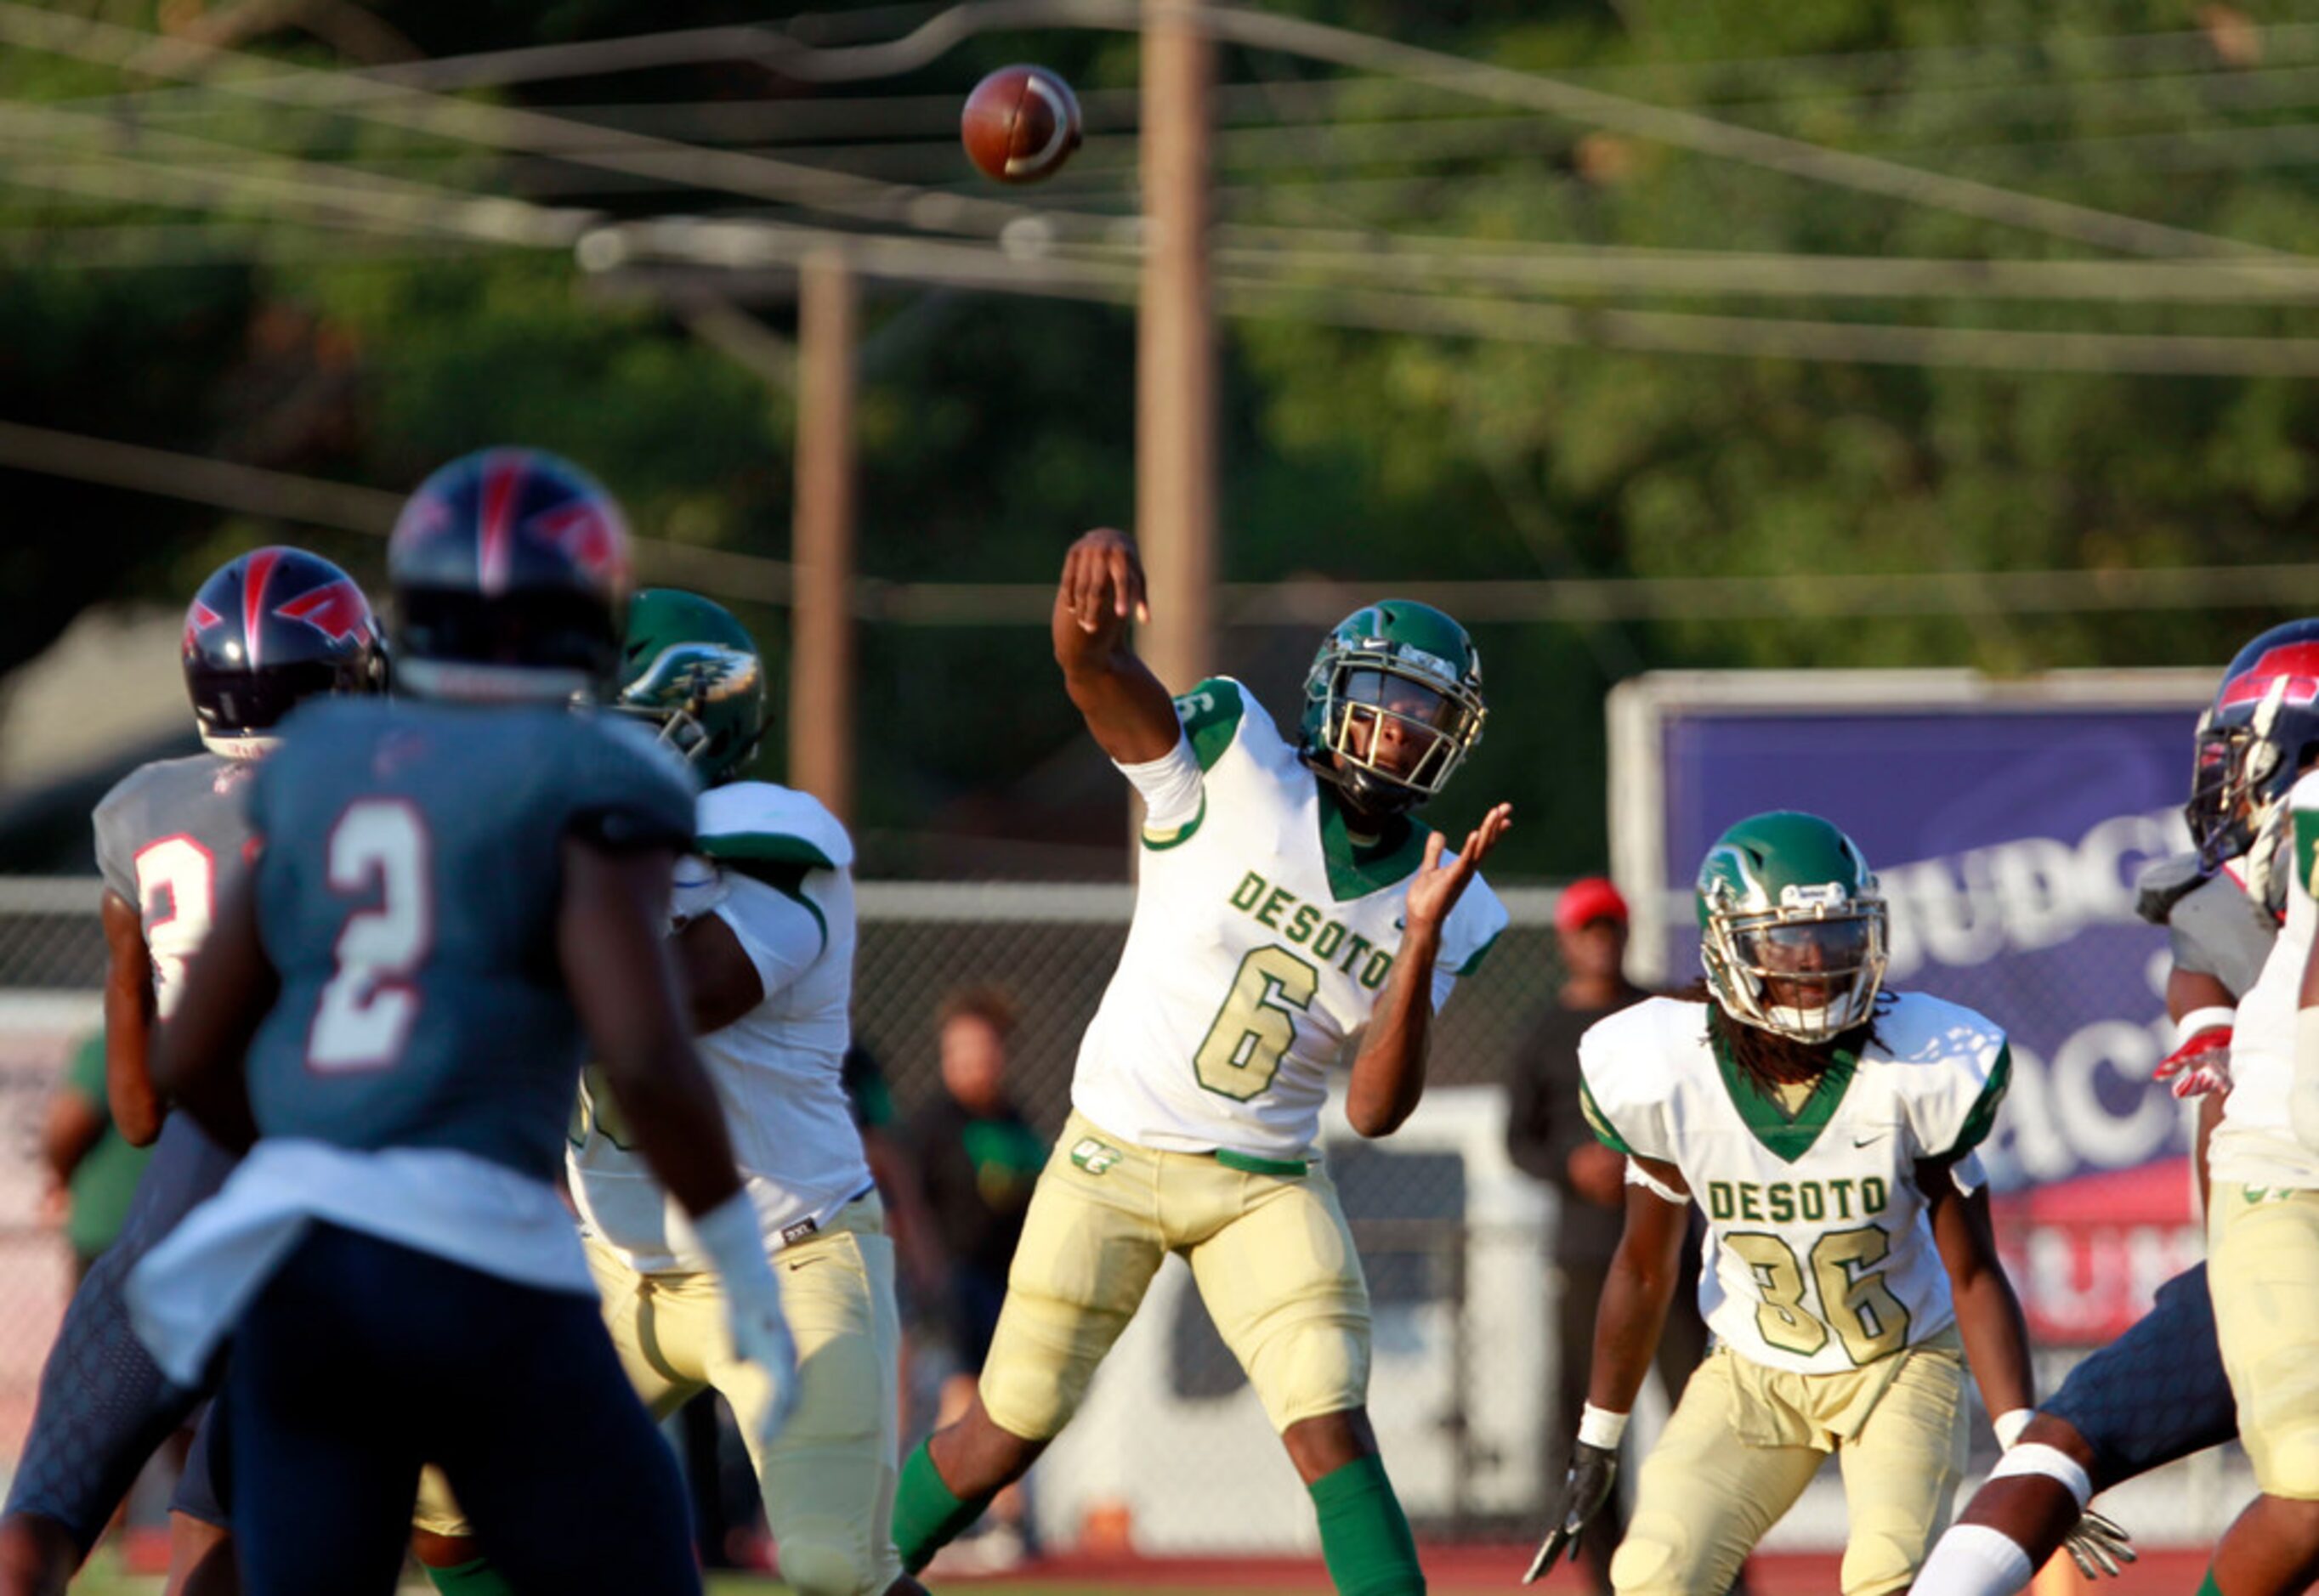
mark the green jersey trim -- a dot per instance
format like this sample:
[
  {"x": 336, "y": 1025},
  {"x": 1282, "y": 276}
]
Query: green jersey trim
[
  {"x": 1249, "y": 1164},
  {"x": 1474, "y": 962},
  {"x": 763, "y": 847},
  {"x": 1355, "y": 869},
  {"x": 1599, "y": 1122},
  {"x": 2306, "y": 843},
  {"x": 1979, "y": 1119},
  {"x": 795, "y": 892},
  {"x": 1211, "y": 713},
  {"x": 1175, "y": 836},
  {"x": 1787, "y": 1137}
]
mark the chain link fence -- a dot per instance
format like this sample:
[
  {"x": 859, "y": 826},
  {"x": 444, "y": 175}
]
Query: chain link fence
[{"x": 1172, "y": 1444}]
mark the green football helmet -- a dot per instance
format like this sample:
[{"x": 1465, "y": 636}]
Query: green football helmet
[
  {"x": 1791, "y": 926},
  {"x": 691, "y": 668},
  {"x": 1395, "y": 695}
]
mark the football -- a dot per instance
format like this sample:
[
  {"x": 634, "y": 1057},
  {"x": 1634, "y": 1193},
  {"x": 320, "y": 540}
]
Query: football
[{"x": 1021, "y": 124}]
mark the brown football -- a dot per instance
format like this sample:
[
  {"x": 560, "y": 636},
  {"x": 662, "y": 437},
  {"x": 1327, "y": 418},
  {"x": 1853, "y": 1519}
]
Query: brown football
[{"x": 1021, "y": 124}]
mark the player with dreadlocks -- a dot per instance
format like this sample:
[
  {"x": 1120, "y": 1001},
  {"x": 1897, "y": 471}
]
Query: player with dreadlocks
[{"x": 1827, "y": 1129}]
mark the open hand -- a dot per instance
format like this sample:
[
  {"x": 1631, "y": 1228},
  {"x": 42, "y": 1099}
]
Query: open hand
[
  {"x": 1435, "y": 888},
  {"x": 2202, "y": 1064},
  {"x": 1103, "y": 581},
  {"x": 2099, "y": 1545}
]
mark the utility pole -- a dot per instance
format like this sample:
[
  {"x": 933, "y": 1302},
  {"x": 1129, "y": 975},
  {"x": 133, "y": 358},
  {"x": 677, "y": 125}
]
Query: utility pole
[
  {"x": 1175, "y": 349},
  {"x": 821, "y": 646}
]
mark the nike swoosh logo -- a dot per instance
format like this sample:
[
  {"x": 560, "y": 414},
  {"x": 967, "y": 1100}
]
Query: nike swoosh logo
[{"x": 1869, "y": 1140}]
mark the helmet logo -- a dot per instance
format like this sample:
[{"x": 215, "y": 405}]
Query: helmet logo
[
  {"x": 1819, "y": 895},
  {"x": 582, "y": 531},
  {"x": 253, "y": 599},
  {"x": 199, "y": 618},
  {"x": 336, "y": 609}
]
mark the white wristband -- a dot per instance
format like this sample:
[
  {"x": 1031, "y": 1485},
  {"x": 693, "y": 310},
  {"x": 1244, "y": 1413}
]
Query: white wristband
[
  {"x": 2009, "y": 1425},
  {"x": 2215, "y": 1018},
  {"x": 1598, "y": 1427}
]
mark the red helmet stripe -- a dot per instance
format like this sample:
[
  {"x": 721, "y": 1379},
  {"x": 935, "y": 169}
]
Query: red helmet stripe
[
  {"x": 336, "y": 609},
  {"x": 2298, "y": 662},
  {"x": 502, "y": 477},
  {"x": 254, "y": 578}
]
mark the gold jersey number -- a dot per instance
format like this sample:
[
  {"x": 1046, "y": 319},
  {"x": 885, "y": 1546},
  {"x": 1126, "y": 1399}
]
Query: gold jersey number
[
  {"x": 1257, "y": 1024},
  {"x": 1859, "y": 1308}
]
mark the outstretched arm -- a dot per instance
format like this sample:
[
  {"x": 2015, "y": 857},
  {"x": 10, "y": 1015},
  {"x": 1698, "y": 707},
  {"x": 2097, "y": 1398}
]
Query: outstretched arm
[
  {"x": 1389, "y": 1072},
  {"x": 1127, "y": 710},
  {"x": 1988, "y": 1315},
  {"x": 129, "y": 1024}
]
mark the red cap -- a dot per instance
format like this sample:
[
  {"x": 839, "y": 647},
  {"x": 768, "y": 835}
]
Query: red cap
[{"x": 1586, "y": 900}]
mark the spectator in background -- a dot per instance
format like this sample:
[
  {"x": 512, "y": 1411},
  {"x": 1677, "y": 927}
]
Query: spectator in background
[
  {"x": 978, "y": 1160},
  {"x": 1547, "y": 1138},
  {"x": 93, "y": 1168}
]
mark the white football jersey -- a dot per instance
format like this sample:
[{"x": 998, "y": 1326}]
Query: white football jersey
[
  {"x": 1262, "y": 938},
  {"x": 2255, "y": 1144},
  {"x": 1823, "y": 1259},
  {"x": 777, "y": 868}
]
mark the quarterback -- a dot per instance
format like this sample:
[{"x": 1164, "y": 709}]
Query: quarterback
[
  {"x": 1826, "y": 1128},
  {"x": 764, "y": 936},
  {"x": 1286, "y": 906}
]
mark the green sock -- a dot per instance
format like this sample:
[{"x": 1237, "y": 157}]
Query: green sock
[
  {"x": 1365, "y": 1536},
  {"x": 926, "y": 1516},
  {"x": 477, "y": 1578}
]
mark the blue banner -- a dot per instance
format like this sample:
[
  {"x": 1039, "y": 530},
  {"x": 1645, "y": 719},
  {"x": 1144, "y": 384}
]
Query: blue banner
[{"x": 2008, "y": 838}]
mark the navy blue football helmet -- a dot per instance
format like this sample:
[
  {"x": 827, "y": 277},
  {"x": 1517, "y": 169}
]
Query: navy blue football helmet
[
  {"x": 511, "y": 576},
  {"x": 2253, "y": 742},
  {"x": 269, "y": 628}
]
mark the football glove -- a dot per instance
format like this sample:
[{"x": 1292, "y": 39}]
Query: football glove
[
  {"x": 2098, "y": 1546},
  {"x": 2202, "y": 1064},
  {"x": 1584, "y": 1489}
]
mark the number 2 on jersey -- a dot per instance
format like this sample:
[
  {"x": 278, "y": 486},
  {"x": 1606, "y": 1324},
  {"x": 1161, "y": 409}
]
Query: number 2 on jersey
[
  {"x": 368, "y": 1005},
  {"x": 182, "y": 868},
  {"x": 1257, "y": 1024}
]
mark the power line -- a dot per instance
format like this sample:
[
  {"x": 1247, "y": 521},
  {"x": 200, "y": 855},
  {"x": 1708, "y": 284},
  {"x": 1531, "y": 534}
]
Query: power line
[
  {"x": 223, "y": 171},
  {"x": 347, "y": 507},
  {"x": 373, "y": 96},
  {"x": 775, "y": 248}
]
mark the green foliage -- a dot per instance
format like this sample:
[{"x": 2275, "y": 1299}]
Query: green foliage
[{"x": 994, "y": 427}]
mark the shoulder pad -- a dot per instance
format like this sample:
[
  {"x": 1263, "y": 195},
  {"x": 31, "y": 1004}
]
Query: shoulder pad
[
  {"x": 2163, "y": 883},
  {"x": 757, "y": 823},
  {"x": 1212, "y": 713},
  {"x": 1628, "y": 1068}
]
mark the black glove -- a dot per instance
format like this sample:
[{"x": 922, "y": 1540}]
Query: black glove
[
  {"x": 1584, "y": 1489},
  {"x": 2096, "y": 1545}
]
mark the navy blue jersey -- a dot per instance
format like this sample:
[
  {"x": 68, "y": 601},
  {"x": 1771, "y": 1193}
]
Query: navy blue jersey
[{"x": 408, "y": 891}]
